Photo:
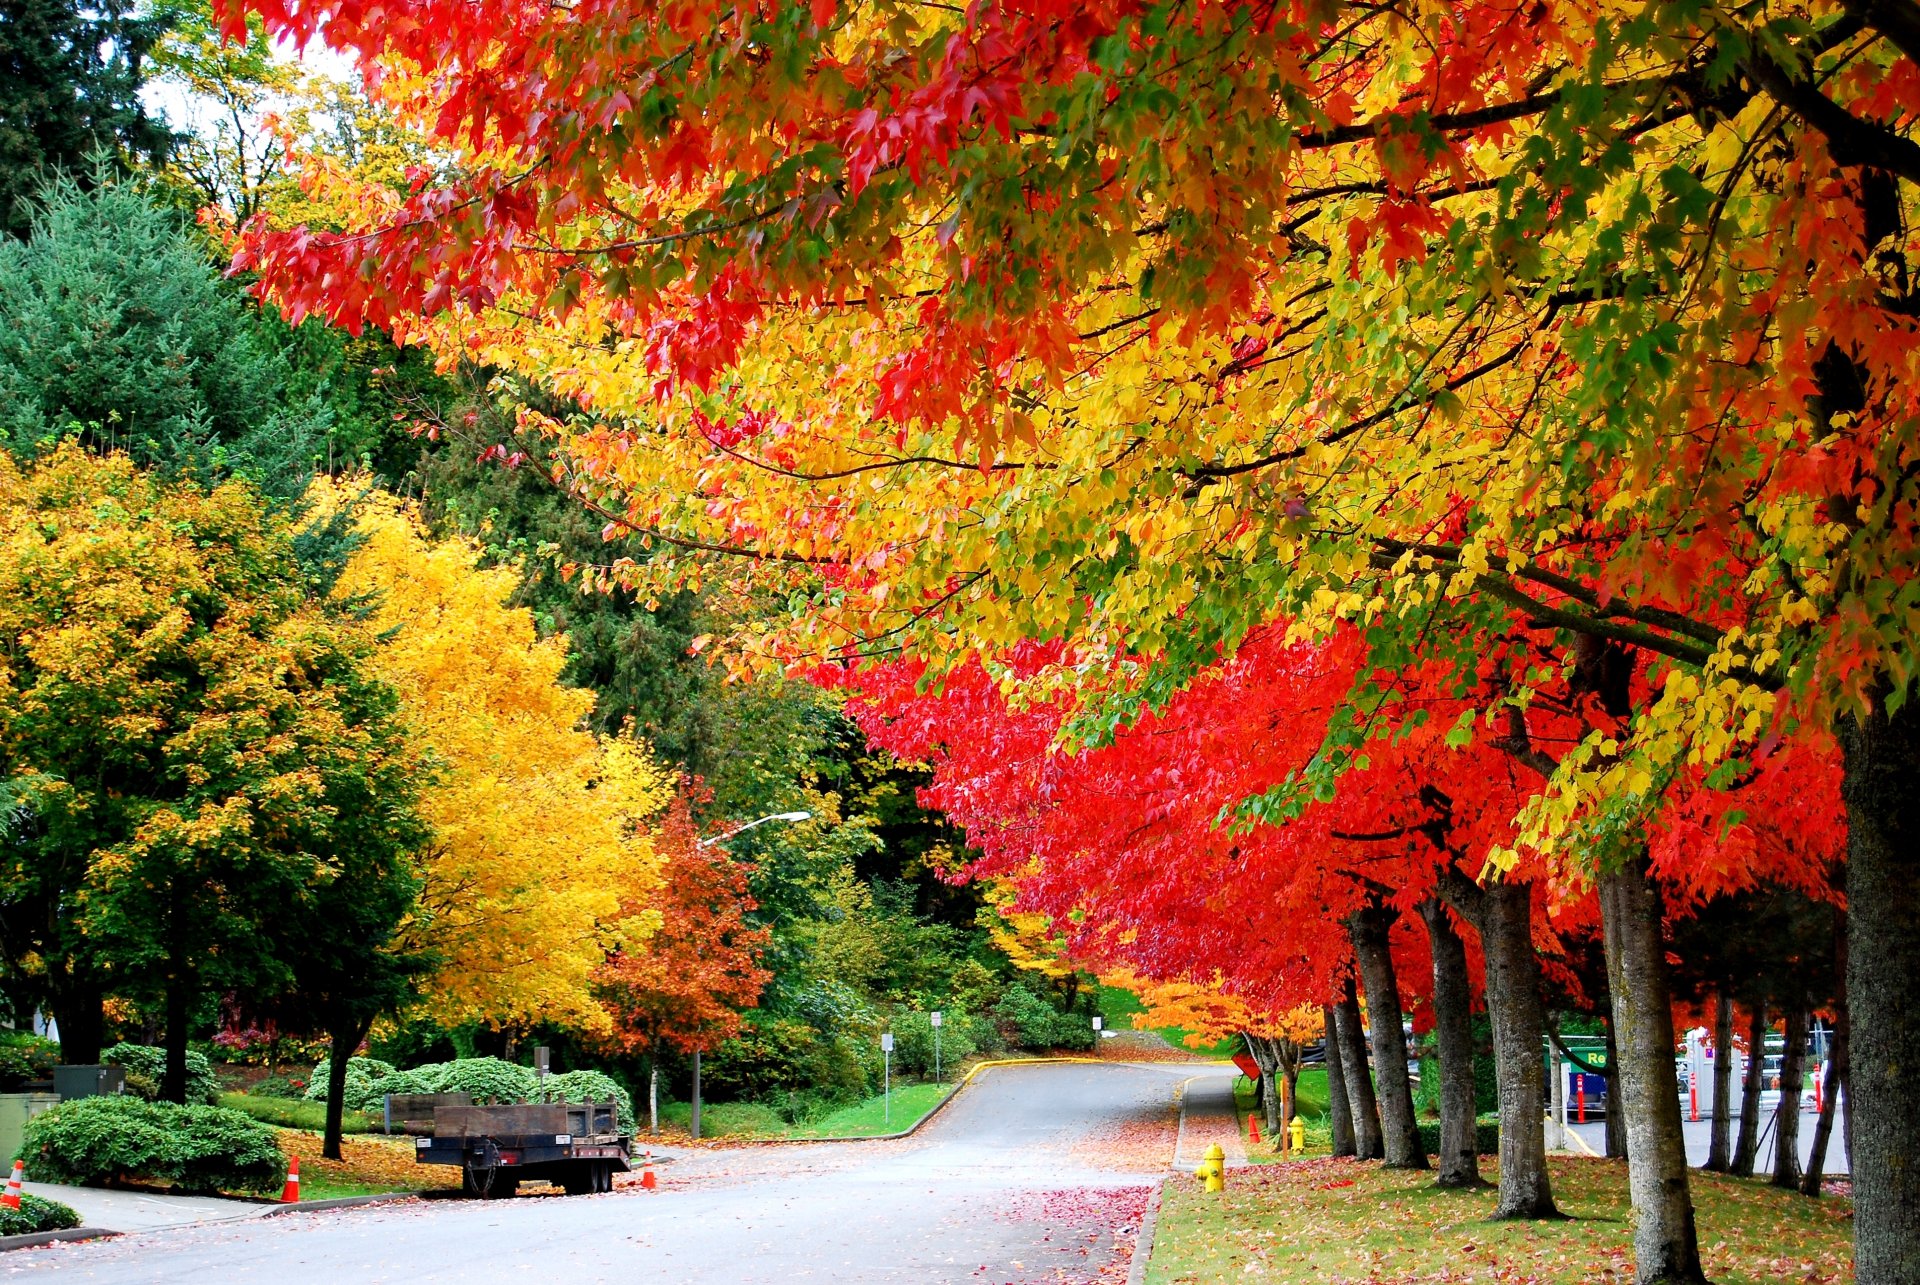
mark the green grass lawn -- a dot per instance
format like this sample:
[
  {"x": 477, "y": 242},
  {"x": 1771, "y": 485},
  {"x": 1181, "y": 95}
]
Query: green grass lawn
[
  {"x": 1337, "y": 1220},
  {"x": 297, "y": 1113},
  {"x": 861, "y": 1120}
]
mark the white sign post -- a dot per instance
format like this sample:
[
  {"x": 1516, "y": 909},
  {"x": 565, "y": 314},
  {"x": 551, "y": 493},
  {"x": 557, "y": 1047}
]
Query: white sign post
[
  {"x": 1098, "y": 1022},
  {"x": 934, "y": 1017},
  {"x": 886, "y": 1077}
]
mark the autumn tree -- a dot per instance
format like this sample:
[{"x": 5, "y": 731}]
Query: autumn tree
[
  {"x": 538, "y": 826},
  {"x": 1503, "y": 316},
  {"x": 685, "y": 986},
  {"x": 196, "y": 759}
]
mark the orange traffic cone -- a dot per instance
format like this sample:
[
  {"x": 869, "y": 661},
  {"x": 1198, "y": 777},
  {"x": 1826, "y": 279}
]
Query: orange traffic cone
[
  {"x": 12, "y": 1199},
  {"x": 647, "y": 1180},
  {"x": 290, "y": 1194},
  {"x": 1253, "y": 1128}
]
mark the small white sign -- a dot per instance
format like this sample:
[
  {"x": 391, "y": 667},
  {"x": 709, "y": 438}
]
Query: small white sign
[
  {"x": 886, "y": 1042},
  {"x": 1098, "y": 1022},
  {"x": 935, "y": 1016}
]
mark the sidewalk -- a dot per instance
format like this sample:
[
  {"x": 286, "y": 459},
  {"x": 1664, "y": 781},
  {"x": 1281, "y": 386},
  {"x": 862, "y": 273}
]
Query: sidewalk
[
  {"x": 1206, "y": 1117},
  {"x": 125, "y": 1211}
]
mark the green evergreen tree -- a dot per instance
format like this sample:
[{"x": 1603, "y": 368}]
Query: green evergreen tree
[
  {"x": 114, "y": 324},
  {"x": 70, "y": 78}
]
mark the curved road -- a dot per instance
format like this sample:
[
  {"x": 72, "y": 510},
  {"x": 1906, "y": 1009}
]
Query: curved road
[{"x": 1034, "y": 1173}]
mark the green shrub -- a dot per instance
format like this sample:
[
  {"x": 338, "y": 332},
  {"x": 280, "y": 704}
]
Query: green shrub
[
  {"x": 36, "y": 1215},
  {"x": 296, "y": 1113},
  {"x": 277, "y": 1086},
  {"x": 25, "y": 1056},
  {"x": 96, "y": 1141},
  {"x": 1486, "y": 1136},
  {"x": 146, "y": 1068},
  {"x": 365, "y": 1075},
  {"x": 591, "y": 1086},
  {"x": 1029, "y": 1022},
  {"x": 913, "y": 1043}
]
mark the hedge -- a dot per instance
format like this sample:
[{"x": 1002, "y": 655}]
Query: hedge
[
  {"x": 488, "y": 1080},
  {"x": 295, "y": 1113},
  {"x": 146, "y": 1068},
  {"x": 97, "y": 1141},
  {"x": 36, "y": 1215},
  {"x": 1486, "y": 1136}
]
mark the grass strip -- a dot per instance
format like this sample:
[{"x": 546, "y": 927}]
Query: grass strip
[{"x": 1326, "y": 1220}]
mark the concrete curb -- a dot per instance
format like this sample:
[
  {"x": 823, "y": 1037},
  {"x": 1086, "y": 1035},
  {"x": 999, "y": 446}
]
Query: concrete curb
[
  {"x": 1143, "y": 1241},
  {"x": 35, "y": 1239},
  {"x": 340, "y": 1202}
]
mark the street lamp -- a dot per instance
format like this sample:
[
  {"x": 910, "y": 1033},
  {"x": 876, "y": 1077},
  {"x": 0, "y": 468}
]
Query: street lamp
[
  {"x": 693, "y": 1125},
  {"x": 742, "y": 829}
]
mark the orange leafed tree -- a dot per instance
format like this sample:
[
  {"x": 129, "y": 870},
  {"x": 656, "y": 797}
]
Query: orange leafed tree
[{"x": 686, "y": 987}]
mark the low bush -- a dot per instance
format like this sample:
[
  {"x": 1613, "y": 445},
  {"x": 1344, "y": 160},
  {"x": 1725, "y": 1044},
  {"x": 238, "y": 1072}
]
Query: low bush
[
  {"x": 591, "y": 1086},
  {"x": 278, "y": 1086},
  {"x": 296, "y": 1113},
  {"x": 25, "y": 1056},
  {"x": 97, "y": 1141},
  {"x": 1486, "y": 1136},
  {"x": 913, "y": 1043},
  {"x": 36, "y": 1215},
  {"x": 146, "y": 1068},
  {"x": 1029, "y": 1022},
  {"x": 365, "y": 1075}
]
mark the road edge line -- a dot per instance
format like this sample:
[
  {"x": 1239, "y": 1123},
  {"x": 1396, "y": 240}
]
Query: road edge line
[
  {"x": 35, "y": 1239},
  {"x": 1143, "y": 1239},
  {"x": 340, "y": 1202}
]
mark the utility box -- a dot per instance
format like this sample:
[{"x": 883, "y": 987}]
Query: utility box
[
  {"x": 15, "y": 1110},
  {"x": 72, "y": 1082}
]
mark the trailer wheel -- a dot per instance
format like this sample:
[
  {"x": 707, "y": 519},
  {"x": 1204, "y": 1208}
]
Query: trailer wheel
[{"x": 603, "y": 1176}]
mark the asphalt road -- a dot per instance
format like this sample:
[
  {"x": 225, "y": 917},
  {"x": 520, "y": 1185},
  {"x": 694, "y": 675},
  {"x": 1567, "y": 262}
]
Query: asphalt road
[{"x": 1034, "y": 1173}]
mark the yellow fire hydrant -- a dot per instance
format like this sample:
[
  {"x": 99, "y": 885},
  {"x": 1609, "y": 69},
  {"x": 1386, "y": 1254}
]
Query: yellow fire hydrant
[
  {"x": 1212, "y": 1172},
  {"x": 1296, "y": 1134}
]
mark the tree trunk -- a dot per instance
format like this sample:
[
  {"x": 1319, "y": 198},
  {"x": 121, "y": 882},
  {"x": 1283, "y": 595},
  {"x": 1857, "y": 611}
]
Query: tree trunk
[
  {"x": 1503, "y": 915},
  {"x": 1453, "y": 1032},
  {"x": 1339, "y": 1114},
  {"x": 1880, "y": 755},
  {"x": 1748, "y": 1143},
  {"x": 78, "y": 1008},
  {"x": 1666, "y": 1246},
  {"x": 1400, "y": 1128},
  {"x": 1832, "y": 1084},
  {"x": 1720, "y": 1148},
  {"x": 1367, "y": 1144},
  {"x": 173, "y": 1080},
  {"x": 1793, "y": 1080},
  {"x": 1616, "y": 1121},
  {"x": 347, "y": 1034}
]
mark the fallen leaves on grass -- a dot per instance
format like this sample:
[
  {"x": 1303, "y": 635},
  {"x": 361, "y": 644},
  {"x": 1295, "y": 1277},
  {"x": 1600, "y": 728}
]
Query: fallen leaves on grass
[
  {"x": 386, "y": 1164},
  {"x": 1327, "y": 1220}
]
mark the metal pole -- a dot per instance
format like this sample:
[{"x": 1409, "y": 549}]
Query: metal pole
[
  {"x": 886, "y": 1082},
  {"x": 696, "y": 1095},
  {"x": 936, "y": 1055}
]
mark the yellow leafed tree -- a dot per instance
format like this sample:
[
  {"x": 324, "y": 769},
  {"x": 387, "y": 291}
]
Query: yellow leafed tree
[{"x": 539, "y": 824}]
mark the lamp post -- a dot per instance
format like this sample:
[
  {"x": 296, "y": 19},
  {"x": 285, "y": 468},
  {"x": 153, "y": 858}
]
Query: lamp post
[
  {"x": 886, "y": 1078},
  {"x": 742, "y": 829},
  {"x": 694, "y": 1123},
  {"x": 935, "y": 1019}
]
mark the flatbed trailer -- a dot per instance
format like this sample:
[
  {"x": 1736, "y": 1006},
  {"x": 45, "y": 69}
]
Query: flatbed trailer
[{"x": 577, "y": 1146}]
